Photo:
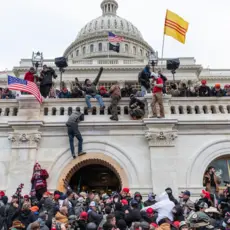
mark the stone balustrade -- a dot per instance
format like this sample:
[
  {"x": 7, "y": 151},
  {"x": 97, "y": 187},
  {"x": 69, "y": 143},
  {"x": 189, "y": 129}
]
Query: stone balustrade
[{"x": 175, "y": 107}]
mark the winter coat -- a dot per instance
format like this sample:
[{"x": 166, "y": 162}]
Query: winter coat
[
  {"x": 47, "y": 204},
  {"x": 133, "y": 216},
  {"x": 92, "y": 89},
  {"x": 204, "y": 91},
  {"x": 207, "y": 182},
  {"x": 78, "y": 209},
  {"x": 94, "y": 217},
  {"x": 164, "y": 207},
  {"x": 61, "y": 218},
  {"x": 187, "y": 206},
  {"x": 140, "y": 203},
  {"x": 64, "y": 94},
  {"x": 42, "y": 224},
  {"x": 10, "y": 213},
  {"x": 82, "y": 224},
  {"x": 38, "y": 179},
  {"x": 29, "y": 76},
  {"x": 144, "y": 78},
  {"x": 149, "y": 219},
  {"x": 164, "y": 226},
  {"x": 119, "y": 213},
  {"x": 47, "y": 76},
  {"x": 149, "y": 203},
  {"x": 26, "y": 217}
]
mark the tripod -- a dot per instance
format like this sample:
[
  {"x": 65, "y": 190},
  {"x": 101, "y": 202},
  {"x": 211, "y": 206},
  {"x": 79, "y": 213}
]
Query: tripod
[
  {"x": 173, "y": 73},
  {"x": 61, "y": 72}
]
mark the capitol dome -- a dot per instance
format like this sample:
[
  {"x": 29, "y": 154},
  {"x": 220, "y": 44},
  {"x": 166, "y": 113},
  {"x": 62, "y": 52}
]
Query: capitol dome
[{"x": 92, "y": 40}]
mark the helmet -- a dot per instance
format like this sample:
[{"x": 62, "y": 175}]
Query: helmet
[{"x": 198, "y": 219}]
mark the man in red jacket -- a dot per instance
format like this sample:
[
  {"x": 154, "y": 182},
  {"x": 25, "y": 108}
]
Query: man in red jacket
[
  {"x": 30, "y": 75},
  {"x": 157, "y": 90}
]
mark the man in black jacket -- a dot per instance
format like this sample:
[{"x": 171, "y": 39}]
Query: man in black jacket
[
  {"x": 47, "y": 74},
  {"x": 144, "y": 80},
  {"x": 137, "y": 108},
  {"x": 134, "y": 215},
  {"x": 73, "y": 131}
]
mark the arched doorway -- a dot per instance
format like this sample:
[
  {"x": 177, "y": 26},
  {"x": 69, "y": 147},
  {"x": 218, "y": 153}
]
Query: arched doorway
[
  {"x": 98, "y": 161},
  {"x": 95, "y": 178}
]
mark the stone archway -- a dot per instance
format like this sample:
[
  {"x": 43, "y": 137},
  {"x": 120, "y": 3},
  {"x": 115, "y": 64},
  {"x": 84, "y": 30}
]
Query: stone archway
[
  {"x": 92, "y": 158},
  {"x": 202, "y": 159}
]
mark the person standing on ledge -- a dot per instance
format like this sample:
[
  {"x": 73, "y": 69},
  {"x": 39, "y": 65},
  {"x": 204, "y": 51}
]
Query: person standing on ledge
[
  {"x": 90, "y": 89},
  {"x": 73, "y": 131},
  {"x": 157, "y": 95},
  {"x": 115, "y": 93}
]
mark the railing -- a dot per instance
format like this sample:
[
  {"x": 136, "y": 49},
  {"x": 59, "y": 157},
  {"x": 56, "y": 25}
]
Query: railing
[{"x": 177, "y": 107}]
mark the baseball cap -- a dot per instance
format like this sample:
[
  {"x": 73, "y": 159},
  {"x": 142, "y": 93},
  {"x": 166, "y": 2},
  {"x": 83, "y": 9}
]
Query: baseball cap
[
  {"x": 199, "y": 219},
  {"x": 186, "y": 192},
  {"x": 92, "y": 204},
  {"x": 84, "y": 215},
  {"x": 150, "y": 211},
  {"x": 124, "y": 202}
]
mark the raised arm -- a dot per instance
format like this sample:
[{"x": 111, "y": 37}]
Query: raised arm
[{"x": 95, "y": 82}]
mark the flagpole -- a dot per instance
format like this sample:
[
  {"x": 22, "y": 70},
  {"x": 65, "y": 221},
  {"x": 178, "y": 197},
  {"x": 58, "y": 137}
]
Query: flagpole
[{"x": 162, "y": 51}]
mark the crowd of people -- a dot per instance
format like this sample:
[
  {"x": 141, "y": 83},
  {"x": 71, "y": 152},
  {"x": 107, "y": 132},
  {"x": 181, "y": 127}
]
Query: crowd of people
[{"x": 119, "y": 210}]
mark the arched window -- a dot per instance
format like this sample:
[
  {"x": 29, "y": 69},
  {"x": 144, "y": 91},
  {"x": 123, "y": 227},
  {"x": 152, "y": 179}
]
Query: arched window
[
  {"x": 126, "y": 48},
  {"x": 77, "y": 53},
  {"x": 91, "y": 48},
  {"x": 84, "y": 50},
  {"x": 221, "y": 168},
  {"x": 141, "y": 52},
  {"x": 100, "y": 47},
  {"x": 134, "y": 50}
]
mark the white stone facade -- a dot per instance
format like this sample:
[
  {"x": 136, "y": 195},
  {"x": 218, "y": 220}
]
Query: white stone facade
[{"x": 147, "y": 155}]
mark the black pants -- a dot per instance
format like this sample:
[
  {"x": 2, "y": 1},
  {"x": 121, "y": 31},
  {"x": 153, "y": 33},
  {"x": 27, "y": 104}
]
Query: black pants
[
  {"x": 45, "y": 89},
  {"x": 74, "y": 132},
  {"x": 40, "y": 192},
  {"x": 114, "y": 103}
]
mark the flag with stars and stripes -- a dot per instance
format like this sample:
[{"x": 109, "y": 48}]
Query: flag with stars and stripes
[
  {"x": 24, "y": 86},
  {"x": 114, "y": 38}
]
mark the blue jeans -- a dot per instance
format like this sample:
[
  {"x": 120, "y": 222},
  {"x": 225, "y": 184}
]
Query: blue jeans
[
  {"x": 75, "y": 133},
  {"x": 97, "y": 96},
  {"x": 144, "y": 91}
]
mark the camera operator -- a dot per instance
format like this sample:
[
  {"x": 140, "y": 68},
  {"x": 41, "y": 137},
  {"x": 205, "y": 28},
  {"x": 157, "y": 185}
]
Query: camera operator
[
  {"x": 144, "y": 80},
  {"x": 46, "y": 80},
  {"x": 137, "y": 108},
  {"x": 73, "y": 131}
]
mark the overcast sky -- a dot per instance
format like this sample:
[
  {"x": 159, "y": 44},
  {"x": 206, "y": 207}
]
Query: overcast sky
[{"x": 51, "y": 25}]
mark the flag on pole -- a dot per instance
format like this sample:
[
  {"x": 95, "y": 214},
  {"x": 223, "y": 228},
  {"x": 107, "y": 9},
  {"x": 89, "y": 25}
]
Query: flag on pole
[
  {"x": 175, "y": 26},
  {"x": 115, "y": 48},
  {"x": 114, "y": 38},
  {"x": 24, "y": 86}
]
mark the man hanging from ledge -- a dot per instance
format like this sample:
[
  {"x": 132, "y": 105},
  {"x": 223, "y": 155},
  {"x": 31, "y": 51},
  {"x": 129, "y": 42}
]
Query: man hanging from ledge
[
  {"x": 115, "y": 93},
  {"x": 73, "y": 131},
  {"x": 90, "y": 89}
]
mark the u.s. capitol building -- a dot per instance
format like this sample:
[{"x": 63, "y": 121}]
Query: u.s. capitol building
[{"x": 144, "y": 155}]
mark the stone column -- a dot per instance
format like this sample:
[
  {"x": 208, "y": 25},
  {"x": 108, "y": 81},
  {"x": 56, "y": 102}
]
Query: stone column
[
  {"x": 161, "y": 135},
  {"x": 25, "y": 138}
]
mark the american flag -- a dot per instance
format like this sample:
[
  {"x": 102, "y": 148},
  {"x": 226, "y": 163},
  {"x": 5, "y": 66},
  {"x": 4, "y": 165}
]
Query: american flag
[
  {"x": 114, "y": 38},
  {"x": 24, "y": 86}
]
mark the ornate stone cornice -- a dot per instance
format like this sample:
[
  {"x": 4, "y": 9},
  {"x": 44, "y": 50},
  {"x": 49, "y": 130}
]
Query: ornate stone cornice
[
  {"x": 24, "y": 140},
  {"x": 161, "y": 138}
]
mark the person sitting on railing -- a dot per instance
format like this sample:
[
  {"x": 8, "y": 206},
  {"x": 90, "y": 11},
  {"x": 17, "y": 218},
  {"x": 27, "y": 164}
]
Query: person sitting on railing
[
  {"x": 144, "y": 80},
  {"x": 172, "y": 89},
  {"x": 52, "y": 93},
  {"x": 137, "y": 108},
  {"x": 115, "y": 93},
  {"x": 75, "y": 89},
  {"x": 64, "y": 93},
  {"x": 204, "y": 90},
  {"x": 193, "y": 91},
  {"x": 90, "y": 89},
  {"x": 217, "y": 91},
  {"x": 183, "y": 88},
  {"x": 103, "y": 92}
]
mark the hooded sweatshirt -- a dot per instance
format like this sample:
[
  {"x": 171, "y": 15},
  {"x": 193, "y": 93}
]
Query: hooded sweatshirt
[{"x": 163, "y": 206}]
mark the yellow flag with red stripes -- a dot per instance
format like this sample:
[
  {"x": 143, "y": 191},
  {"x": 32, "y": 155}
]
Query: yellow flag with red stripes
[{"x": 175, "y": 26}]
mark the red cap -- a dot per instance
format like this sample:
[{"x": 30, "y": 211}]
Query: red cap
[
  {"x": 124, "y": 202},
  {"x": 26, "y": 197},
  {"x": 56, "y": 197},
  {"x": 203, "y": 82},
  {"x": 154, "y": 225},
  {"x": 2, "y": 193},
  {"x": 177, "y": 223},
  {"x": 150, "y": 211},
  {"x": 206, "y": 194},
  {"x": 126, "y": 190},
  {"x": 84, "y": 215}
]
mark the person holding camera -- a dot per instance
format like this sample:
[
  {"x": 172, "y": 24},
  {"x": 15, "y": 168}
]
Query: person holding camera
[
  {"x": 46, "y": 76},
  {"x": 144, "y": 80},
  {"x": 73, "y": 131}
]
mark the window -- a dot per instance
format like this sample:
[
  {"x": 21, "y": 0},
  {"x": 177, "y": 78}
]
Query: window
[
  {"x": 77, "y": 53},
  {"x": 222, "y": 169},
  {"x": 84, "y": 50},
  {"x": 100, "y": 46},
  {"x": 126, "y": 48},
  {"x": 141, "y": 52},
  {"x": 134, "y": 50},
  {"x": 91, "y": 48}
]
